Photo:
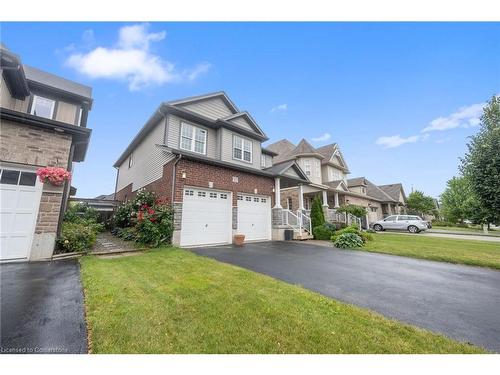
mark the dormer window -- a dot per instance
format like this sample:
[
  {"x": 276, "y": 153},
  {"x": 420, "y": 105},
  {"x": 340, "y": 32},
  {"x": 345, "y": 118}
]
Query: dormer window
[
  {"x": 43, "y": 107},
  {"x": 193, "y": 139},
  {"x": 242, "y": 149}
]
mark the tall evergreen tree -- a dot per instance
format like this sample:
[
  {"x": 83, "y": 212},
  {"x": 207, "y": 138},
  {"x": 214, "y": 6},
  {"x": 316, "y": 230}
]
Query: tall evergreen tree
[
  {"x": 317, "y": 214},
  {"x": 481, "y": 164}
]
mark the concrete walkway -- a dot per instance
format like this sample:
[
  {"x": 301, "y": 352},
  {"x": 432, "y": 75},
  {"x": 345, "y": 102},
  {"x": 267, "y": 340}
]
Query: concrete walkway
[
  {"x": 465, "y": 236},
  {"x": 461, "y": 302}
]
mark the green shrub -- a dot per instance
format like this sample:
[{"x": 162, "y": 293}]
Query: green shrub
[
  {"x": 348, "y": 241},
  {"x": 352, "y": 229},
  {"x": 439, "y": 223},
  {"x": 76, "y": 237},
  {"x": 317, "y": 214},
  {"x": 150, "y": 218},
  {"x": 323, "y": 232},
  {"x": 352, "y": 209},
  {"x": 80, "y": 211}
]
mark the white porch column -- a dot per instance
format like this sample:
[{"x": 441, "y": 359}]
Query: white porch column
[
  {"x": 337, "y": 200},
  {"x": 325, "y": 199},
  {"x": 277, "y": 193},
  {"x": 301, "y": 198}
]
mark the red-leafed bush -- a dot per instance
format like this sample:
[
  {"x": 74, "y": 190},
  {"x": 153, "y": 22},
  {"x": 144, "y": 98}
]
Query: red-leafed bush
[{"x": 53, "y": 175}]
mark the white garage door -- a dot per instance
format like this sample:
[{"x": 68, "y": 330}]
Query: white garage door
[
  {"x": 254, "y": 217},
  {"x": 20, "y": 193},
  {"x": 206, "y": 217}
]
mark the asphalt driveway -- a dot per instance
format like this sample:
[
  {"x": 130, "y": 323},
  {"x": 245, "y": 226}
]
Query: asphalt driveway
[
  {"x": 41, "y": 308},
  {"x": 461, "y": 302}
]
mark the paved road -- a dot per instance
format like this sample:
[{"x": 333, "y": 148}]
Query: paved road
[
  {"x": 41, "y": 308},
  {"x": 456, "y": 236},
  {"x": 458, "y": 301}
]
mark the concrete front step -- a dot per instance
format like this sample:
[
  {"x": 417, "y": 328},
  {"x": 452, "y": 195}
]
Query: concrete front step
[{"x": 301, "y": 237}]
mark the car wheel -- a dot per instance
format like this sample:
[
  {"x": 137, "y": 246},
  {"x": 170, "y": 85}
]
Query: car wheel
[
  {"x": 377, "y": 227},
  {"x": 412, "y": 229}
]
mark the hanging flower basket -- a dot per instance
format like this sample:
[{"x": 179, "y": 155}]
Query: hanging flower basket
[{"x": 53, "y": 175}]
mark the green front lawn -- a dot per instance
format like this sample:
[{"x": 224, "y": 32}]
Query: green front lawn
[
  {"x": 172, "y": 301},
  {"x": 476, "y": 253}
]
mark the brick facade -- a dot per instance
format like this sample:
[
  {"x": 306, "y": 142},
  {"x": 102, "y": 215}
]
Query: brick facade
[
  {"x": 33, "y": 146},
  {"x": 201, "y": 175}
]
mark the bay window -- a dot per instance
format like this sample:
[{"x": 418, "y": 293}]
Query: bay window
[{"x": 193, "y": 139}]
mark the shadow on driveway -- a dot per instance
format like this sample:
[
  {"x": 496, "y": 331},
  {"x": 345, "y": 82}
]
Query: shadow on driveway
[
  {"x": 461, "y": 302},
  {"x": 41, "y": 308}
]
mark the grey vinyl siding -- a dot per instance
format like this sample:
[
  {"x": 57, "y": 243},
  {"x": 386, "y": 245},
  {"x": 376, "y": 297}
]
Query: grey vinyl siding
[
  {"x": 243, "y": 123},
  {"x": 214, "y": 108},
  {"x": 227, "y": 150},
  {"x": 268, "y": 161},
  {"x": 174, "y": 131},
  {"x": 148, "y": 161}
]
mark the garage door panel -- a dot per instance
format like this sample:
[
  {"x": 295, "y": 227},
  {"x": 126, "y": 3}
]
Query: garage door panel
[
  {"x": 8, "y": 197},
  {"x": 254, "y": 217},
  {"x": 18, "y": 212},
  {"x": 206, "y": 217}
]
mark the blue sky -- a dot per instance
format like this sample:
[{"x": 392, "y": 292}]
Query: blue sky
[{"x": 399, "y": 98}]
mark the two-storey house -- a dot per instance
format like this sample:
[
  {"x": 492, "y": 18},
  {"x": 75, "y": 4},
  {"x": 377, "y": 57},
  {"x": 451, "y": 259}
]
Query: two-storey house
[
  {"x": 205, "y": 156},
  {"x": 327, "y": 171},
  {"x": 43, "y": 123}
]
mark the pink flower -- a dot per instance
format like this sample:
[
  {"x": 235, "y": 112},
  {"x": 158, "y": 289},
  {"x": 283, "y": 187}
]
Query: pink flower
[{"x": 53, "y": 175}]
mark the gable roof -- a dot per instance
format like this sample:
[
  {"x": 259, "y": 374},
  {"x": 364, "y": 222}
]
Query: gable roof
[
  {"x": 305, "y": 148},
  {"x": 336, "y": 184},
  {"x": 374, "y": 191},
  {"x": 393, "y": 190},
  {"x": 281, "y": 168},
  {"x": 247, "y": 118},
  {"x": 198, "y": 98},
  {"x": 329, "y": 152},
  {"x": 357, "y": 181}
]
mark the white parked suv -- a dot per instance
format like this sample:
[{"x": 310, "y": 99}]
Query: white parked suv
[{"x": 412, "y": 224}]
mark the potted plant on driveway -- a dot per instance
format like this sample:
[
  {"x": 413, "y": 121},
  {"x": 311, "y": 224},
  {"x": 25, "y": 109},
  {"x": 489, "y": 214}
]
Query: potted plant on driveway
[{"x": 239, "y": 239}]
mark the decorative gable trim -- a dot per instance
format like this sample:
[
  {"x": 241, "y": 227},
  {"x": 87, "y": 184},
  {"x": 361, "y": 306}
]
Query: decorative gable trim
[
  {"x": 247, "y": 118},
  {"x": 194, "y": 99}
]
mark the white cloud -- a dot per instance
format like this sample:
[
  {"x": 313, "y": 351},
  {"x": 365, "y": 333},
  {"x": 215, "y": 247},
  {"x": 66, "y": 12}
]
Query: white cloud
[
  {"x": 131, "y": 60},
  {"x": 396, "y": 140},
  {"x": 281, "y": 108},
  {"x": 322, "y": 138},
  {"x": 465, "y": 117}
]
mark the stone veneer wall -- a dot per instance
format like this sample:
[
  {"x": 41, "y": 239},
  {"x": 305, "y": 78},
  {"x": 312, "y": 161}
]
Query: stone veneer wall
[{"x": 32, "y": 146}]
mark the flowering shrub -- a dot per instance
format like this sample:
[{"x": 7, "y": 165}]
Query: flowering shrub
[
  {"x": 150, "y": 217},
  {"x": 53, "y": 175}
]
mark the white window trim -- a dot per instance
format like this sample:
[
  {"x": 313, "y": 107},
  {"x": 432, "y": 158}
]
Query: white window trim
[
  {"x": 193, "y": 139},
  {"x": 243, "y": 140},
  {"x": 263, "y": 161},
  {"x": 33, "y": 105}
]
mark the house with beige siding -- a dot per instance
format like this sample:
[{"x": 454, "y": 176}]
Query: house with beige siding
[
  {"x": 43, "y": 122},
  {"x": 205, "y": 156}
]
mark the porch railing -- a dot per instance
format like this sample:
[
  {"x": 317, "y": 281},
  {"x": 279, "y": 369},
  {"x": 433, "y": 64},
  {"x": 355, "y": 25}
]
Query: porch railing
[{"x": 298, "y": 221}]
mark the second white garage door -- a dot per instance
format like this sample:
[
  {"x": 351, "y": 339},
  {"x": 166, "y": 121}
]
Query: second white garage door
[
  {"x": 206, "y": 217},
  {"x": 254, "y": 217}
]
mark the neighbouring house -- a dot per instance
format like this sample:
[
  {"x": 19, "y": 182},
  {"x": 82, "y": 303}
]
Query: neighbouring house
[
  {"x": 43, "y": 123},
  {"x": 205, "y": 156},
  {"x": 327, "y": 171}
]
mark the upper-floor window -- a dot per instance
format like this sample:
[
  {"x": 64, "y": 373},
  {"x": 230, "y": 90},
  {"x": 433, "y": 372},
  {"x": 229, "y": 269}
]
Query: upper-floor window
[
  {"x": 130, "y": 161},
  {"x": 193, "y": 138},
  {"x": 242, "y": 149},
  {"x": 307, "y": 167},
  {"x": 263, "y": 161},
  {"x": 43, "y": 107},
  {"x": 317, "y": 167}
]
